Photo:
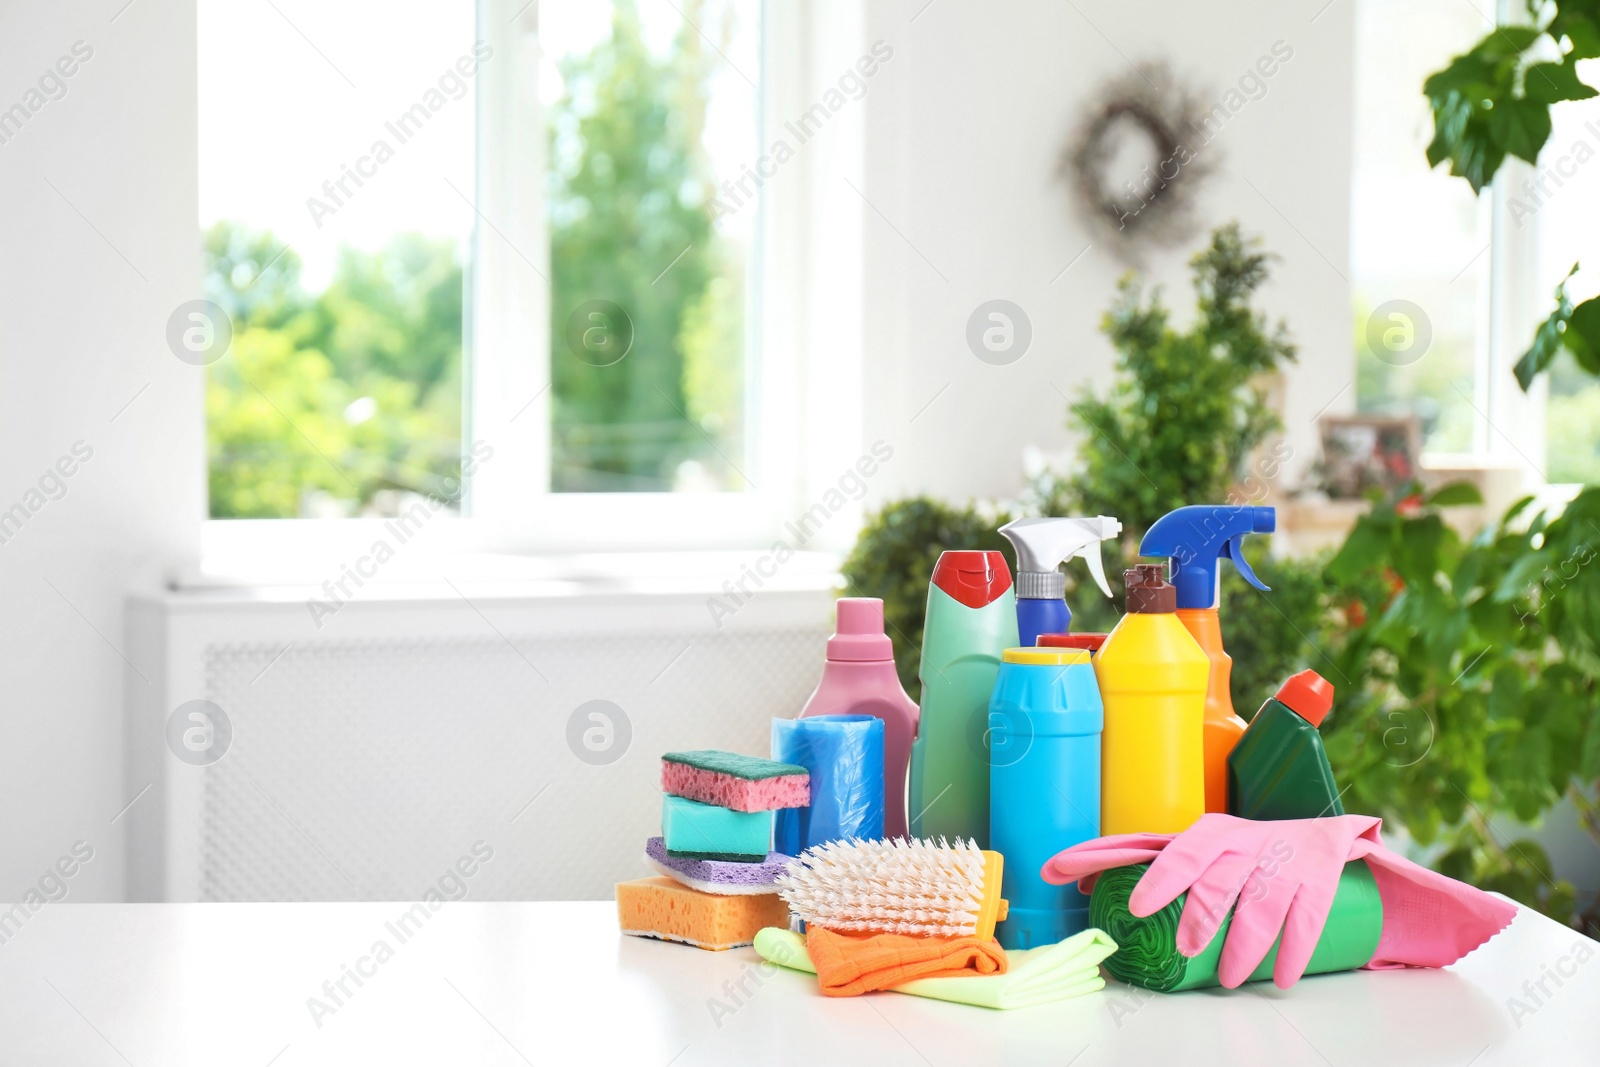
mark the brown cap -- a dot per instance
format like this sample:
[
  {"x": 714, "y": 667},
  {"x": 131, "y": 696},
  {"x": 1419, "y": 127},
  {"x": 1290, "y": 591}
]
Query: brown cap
[{"x": 1149, "y": 592}]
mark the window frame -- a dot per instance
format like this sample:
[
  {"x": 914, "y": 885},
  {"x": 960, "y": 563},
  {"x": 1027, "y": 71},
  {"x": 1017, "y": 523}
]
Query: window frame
[{"x": 805, "y": 404}]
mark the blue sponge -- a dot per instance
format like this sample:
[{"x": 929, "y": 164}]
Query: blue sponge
[{"x": 703, "y": 831}]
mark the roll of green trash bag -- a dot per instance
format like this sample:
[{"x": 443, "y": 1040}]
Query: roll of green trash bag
[{"x": 1147, "y": 954}]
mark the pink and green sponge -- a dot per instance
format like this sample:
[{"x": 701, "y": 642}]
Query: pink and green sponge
[{"x": 738, "y": 783}]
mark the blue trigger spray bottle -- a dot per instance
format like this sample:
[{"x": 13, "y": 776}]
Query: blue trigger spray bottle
[
  {"x": 1195, "y": 538},
  {"x": 1042, "y": 545}
]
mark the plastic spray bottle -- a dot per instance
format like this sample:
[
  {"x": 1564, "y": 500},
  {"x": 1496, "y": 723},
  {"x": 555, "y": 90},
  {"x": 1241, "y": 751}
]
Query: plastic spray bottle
[
  {"x": 972, "y": 619},
  {"x": 1152, "y": 678},
  {"x": 1194, "y": 538},
  {"x": 1042, "y": 545},
  {"x": 1279, "y": 769},
  {"x": 859, "y": 679}
]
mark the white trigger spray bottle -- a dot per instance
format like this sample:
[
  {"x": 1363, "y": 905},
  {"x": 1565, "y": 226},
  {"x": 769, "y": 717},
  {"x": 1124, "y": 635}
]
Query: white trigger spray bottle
[{"x": 1042, "y": 545}]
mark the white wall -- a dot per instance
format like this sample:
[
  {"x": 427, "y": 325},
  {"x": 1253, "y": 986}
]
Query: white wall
[
  {"x": 99, "y": 244},
  {"x": 964, "y": 130}
]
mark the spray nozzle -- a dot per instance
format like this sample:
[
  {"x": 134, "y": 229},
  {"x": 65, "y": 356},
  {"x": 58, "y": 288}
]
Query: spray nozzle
[
  {"x": 1044, "y": 544},
  {"x": 1195, "y": 537}
]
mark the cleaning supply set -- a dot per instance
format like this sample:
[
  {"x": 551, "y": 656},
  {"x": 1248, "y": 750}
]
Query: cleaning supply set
[
  {"x": 716, "y": 882},
  {"x": 1227, "y": 856}
]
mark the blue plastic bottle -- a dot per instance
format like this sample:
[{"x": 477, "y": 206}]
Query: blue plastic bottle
[{"x": 1045, "y": 720}]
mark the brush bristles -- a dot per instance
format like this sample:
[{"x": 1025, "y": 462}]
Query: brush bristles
[{"x": 896, "y": 886}]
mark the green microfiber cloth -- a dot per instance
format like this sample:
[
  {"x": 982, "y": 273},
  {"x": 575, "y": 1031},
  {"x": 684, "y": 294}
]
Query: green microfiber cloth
[{"x": 1033, "y": 976}]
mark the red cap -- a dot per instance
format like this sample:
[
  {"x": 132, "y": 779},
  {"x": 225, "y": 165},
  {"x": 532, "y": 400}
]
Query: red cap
[
  {"x": 973, "y": 578},
  {"x": 1309, "y": 695},
  {"x": 1092, "y": 642},
  {"x": 858, "y": 630}
]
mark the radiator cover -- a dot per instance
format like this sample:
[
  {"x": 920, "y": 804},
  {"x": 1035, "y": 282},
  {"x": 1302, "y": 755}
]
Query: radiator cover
[{"x": 371, "y": 757}]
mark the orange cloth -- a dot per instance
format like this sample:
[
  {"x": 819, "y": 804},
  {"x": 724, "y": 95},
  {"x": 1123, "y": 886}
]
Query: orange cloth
[{"x": 849, "y": 965}]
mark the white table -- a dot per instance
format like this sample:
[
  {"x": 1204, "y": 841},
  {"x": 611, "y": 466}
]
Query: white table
[{"x": 163, "y": 985}]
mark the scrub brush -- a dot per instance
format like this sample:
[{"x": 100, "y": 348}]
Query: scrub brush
[{"x": 896, "y": 887}]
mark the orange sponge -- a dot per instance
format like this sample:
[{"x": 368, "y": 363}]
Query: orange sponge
[{"x": 670, "y": 910}]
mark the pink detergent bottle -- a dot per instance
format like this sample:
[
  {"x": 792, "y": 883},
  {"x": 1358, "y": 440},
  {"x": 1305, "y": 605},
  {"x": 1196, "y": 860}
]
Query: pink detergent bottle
[{"x": 859, "y": 679}]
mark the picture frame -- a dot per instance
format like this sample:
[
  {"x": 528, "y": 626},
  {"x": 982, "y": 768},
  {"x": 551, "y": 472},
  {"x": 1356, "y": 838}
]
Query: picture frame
[{"x": 1361, "y": 453}]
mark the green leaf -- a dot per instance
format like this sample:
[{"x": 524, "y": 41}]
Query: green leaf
[
  {"x": 1550, "y": 83},
  {"x": 1516, "y": 509},
  {"x": 1589, "y": 766},
  {"x": 1416, "y": 558},
  {"x": 1465, "y": 578},
  {"x": 1365, "y": 548},
  {"x": 1521, "y": 578},
  {"x": 1469, "y": 73},
  {"x": 1579, "y": 23},
  {"x": 1585, "y": 40},
  {"x": 1453, "y": 495},
  {"x": 1547, "y": 341},
  {"x": 1520, "y": 126},
  {"x": 1506, "y": 695},
  {"x": 1582, "y": 335}
]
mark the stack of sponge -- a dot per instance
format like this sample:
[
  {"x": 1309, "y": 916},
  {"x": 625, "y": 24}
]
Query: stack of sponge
[{"x": 716, "y": 868}]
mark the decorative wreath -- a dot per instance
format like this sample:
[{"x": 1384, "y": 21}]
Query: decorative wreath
[{"x": 1155, "y": 204}]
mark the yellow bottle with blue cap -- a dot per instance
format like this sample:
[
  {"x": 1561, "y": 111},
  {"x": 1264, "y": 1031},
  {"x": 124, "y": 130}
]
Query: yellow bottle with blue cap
[
  {"x": 1153, "y": 677},
  {"x": 1044, "y": 785}
]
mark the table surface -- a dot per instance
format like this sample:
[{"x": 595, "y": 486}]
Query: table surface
[{"x": 162, "y": 985}]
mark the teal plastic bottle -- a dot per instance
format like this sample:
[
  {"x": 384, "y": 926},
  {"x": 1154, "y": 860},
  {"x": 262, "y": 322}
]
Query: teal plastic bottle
[
  {"x": 1279, "y": 769},
  {"x": 971, "y": 621}
]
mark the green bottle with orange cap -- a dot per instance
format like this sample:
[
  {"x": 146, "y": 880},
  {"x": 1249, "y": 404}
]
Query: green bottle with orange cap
[{"x": 1279, "y": 769}]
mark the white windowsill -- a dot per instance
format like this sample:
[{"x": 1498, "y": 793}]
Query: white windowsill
[{"x": 293, "y": 559}]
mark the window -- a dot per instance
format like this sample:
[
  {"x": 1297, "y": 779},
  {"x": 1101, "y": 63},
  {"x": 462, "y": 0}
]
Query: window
[
  {"x": 1449, "y": 287},
  {"x": 646, "y": 105},
  {"x": 1557, "y": 209},
  {"x": 1420, "y": 242},
  {"x": 336, "y": 155},
  {"x": 442, "y": 229}
]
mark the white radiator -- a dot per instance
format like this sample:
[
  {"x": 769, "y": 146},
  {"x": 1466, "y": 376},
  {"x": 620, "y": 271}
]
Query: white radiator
[{"x": 371, "y": 758}]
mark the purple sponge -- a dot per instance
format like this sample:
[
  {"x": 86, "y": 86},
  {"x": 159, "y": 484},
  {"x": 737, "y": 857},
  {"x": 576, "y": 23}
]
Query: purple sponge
[{"x": 722, "y": 877}]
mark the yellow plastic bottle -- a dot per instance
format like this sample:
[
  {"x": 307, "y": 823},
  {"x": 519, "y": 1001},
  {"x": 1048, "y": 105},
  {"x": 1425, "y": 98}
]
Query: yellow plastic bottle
[{"x": 1153, "y": 679}]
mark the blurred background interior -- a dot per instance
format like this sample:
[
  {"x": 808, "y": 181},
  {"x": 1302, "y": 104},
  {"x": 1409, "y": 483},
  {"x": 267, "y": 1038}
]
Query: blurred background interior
[{"x": 465, "y": 403}]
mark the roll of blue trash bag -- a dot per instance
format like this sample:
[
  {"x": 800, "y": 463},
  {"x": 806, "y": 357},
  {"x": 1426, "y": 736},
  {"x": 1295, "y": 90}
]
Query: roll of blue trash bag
[{"x": 844, "y": 754}]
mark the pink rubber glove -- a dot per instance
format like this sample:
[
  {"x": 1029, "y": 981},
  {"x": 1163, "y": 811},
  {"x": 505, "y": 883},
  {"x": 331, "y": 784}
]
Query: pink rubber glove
[
  {"x": 1082, "y": 863},
  {"x": 1274, "y": 876},
  {"x": 1429, "y": 920}
]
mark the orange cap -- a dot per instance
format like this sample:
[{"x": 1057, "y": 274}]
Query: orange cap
[{"x": 1309, "y": 695}]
